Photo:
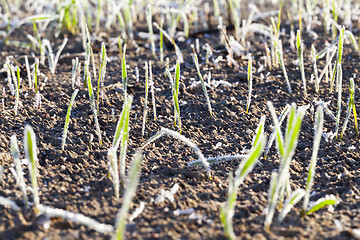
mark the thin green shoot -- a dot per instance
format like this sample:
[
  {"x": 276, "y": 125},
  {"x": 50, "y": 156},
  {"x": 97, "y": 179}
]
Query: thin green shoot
[
  {"x": 121, "y": 136},
  {"x": 114, "y": 170},
  {"x": 165, "y": 131},
  {"x": 295, "y": 197},
  {"x": 328, "y": 200},
  {"x": 281, "y": 118},
  {"x": 338, "y": 112},
  {"x": 35, "y": 74},
  {"x": 277, "y": 44},
  {"x": 124, "y": 72},
  {"x": 246, "y": 165},
  {"x": 102, "y": 73},
  {"x": 316, "y": 74},
  {"x": 67, "y": 119},
  {"x": 120, "y": 46},
  {"x": 203, "y": 84},
  {"x": 250, "y": 80},
  {"x": 177, "y": 49},
  {"x": 86, "y": 63},
  {"x": 91, "y": 50},
  {"x": 151, "y": 34},
  {"x": 175, "y": 91},
  {"x": 146, "y": 98},
  {"x": 93, "y": 107},
  {"x": 286, "y": 148},
  {"x": 27, "y": 67},
  {"x": 319, "y": 123},
  {"x": 19, "y": 171},
  {"x": 98, "y": 15},
  {"x": 75, "y": 66},
  {"x": 299, "y": 47},
  {"x": 152, "y": 89},
  {"x": 339, "y": 57},
  {"x": 351, "y": 107},
  {"x": 31, "y": 156},
  {"x": 161, "y": 42},
  {"x": 131, "y": 186}
]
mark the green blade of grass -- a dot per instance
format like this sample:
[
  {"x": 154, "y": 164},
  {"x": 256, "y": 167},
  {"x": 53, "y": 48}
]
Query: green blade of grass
[
  {"x": 328, "y": 200},
  {"x": 31, "y": 156},
  {"x": 67, "y": 119}
]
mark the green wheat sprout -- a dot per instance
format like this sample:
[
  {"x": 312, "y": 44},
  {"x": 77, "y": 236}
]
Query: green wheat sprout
[
  {"x": 131, "y": 186},
  {"x": 67, "y": 119},
  {"x": 319, "y": 123},
  {"x": 121, "y": 136},
  {"x": 93, "y": 107},
  {"x": 339, "y": 90},
  {"x": 250, "y": 80},
  {"x": 339, "y": 58},
  {"x": 176, "y": 135},
  {"x": 151, "y": 34},
  {"x": 31, "y": 156},
  {"x": 152, "y": 89},
  {"x": 203, "y": 84},
  {"x": 328, "y": 200},
  {"x": 299, "y": 47},
  {"x": 19, "y": 171},
  {"x": 124, "y": 72},
  {"x": 146, "y": 98},
  {"x": 175, "y": 91},
  {"x": 351, "y": 107},
  {"x": 246, "y": 166},
  {"x": 277, "y": 44},
  {"x": 114, "y": 170},
  {"x": 102, "y": 73},
  {"x": 294, "y": 198},
  {"x": 286, "y": 147}
]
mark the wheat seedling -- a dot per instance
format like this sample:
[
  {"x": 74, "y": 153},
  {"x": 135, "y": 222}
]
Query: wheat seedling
[
  {"x": 93, "y": 106},
  {"x": 294, "y": 197},
  {"x": 74, "y": 69},
  {"x": 102, "y": 73},
  {"x": 76, "y": 218},
  {"x": 175, "y": 91},
  {"x": 277, "y": 45},
  {"x": 339, "y": 90},
  {"x": 122, "y": 135},
  {"x": 124, "y": 72},
  {"x": 249, "y": 78},
  {"x": 67, "y": 119},
  {"x": 299, "y": 47},
  {"x": 286, "y": 147},
  {"x": 114, "y": 170},
  {"x": 319, "y": 123},
  {"x": 165, "y": 131},
  {"x": 177, "y": 49},
  {"x": 203, "y": 85},
  {"x": 131, "y": 186},
  {"x": 313, "y": 60},
  {"x": 151, "y": 34},
  {"x": 351, "y": 106},
  {"x": 146, "y": 98},
  {"x": 281, "y": 118},
  {"x": 31, "y": 156},
  {"x": 152, "y": 89},
  {"x": 246, "y": 165},
  {"x": 339, "y": 58},
  {"x": 328, "y": 200},
  {"x": 19, "y": 171}
]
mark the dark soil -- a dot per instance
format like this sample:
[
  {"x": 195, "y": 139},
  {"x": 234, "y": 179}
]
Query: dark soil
[{"x": 76, "y": 179}]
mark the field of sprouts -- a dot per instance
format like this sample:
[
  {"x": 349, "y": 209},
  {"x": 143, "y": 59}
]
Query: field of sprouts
[{"x": 181, "y": 119}]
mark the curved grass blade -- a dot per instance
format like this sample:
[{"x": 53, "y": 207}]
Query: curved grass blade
[{"x": 328, "y": 200}]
